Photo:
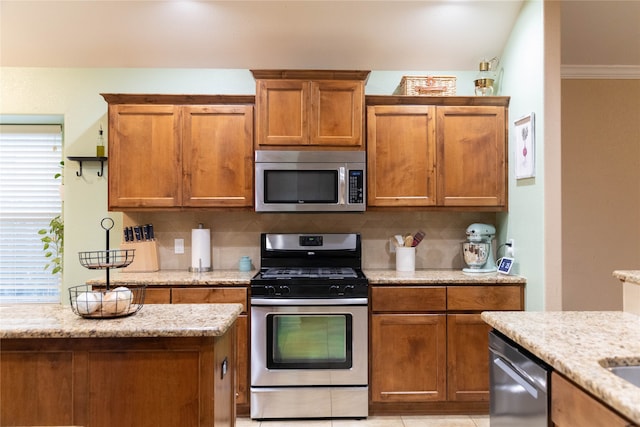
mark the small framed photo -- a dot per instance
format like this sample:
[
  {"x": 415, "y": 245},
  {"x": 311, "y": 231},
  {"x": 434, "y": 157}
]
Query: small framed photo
[
  {"x": 504, "y": 265},
  {"x": 525, "y": 153}
]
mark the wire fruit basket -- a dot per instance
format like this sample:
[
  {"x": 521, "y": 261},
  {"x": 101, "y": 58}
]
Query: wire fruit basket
[
  {"x": 87, "y": 301},
  {"x": 102, "y": 303},
  {"x": 115, "y": 258}
]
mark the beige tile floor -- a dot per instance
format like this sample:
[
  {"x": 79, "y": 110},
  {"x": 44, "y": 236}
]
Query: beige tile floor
[{"x": 379, "y": 421}]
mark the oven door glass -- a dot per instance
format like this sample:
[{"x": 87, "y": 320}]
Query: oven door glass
[
  {"x": 309, "y": 341},
  {"x": 301, "y": 186}
]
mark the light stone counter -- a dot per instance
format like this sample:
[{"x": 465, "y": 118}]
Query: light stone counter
[
  {"x": 630, "y": 290},
  {"x": 238, "y": 278},
  {"x": 578, "y": 344},
  {"x": 385, "y": 277},
  {"x": 629, "y": 276},
  {"x": 177, "y": 277},
  {"x": 153, "y": 320}
]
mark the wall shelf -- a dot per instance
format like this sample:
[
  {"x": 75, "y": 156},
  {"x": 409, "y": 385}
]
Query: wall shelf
[{"x": 89, "y": 159}]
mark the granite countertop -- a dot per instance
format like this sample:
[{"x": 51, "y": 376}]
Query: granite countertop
[
  {"x": 577, "y": 345},
  {"x": 153, "y": 320},
  {"x": 178, "y": 277},
  {"x": 383, "y": 277},
  {"x": 629, "y": 276},
  {"x": 240, "y": 278}
]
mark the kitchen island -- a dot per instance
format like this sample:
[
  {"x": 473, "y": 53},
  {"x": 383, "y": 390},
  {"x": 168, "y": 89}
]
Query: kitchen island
[
  {"x": 166, "y": 365},
  {"x": 580, "y": 346},
  {"x": 630, "y": 290}
]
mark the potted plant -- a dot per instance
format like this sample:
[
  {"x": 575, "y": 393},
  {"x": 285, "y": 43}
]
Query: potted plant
[
  {"x": 53, "y": 238},
  {"x": 53, "y": 244}
]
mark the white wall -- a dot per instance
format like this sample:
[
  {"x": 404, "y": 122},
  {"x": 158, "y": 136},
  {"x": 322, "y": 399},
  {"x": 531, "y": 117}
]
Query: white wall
[{"x": 523, "y": 80}]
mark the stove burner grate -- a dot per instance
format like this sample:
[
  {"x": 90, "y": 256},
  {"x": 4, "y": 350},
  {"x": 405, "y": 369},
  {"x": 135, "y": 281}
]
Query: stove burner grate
[{"x": 310, "y": 272}]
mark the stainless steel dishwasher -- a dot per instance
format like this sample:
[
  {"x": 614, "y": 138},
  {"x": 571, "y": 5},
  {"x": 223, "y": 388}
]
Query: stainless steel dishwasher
[{"x": 519, "y": 385}]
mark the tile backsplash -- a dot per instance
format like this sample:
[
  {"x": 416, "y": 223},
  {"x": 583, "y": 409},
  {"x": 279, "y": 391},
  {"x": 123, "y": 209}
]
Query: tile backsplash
[{"x": 237, "y": 234}]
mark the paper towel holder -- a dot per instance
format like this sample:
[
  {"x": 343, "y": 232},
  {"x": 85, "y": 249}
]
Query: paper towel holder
[{"x": 199, "y": 268}]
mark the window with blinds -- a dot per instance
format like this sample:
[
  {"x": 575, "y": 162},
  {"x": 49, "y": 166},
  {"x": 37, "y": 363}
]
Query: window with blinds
[{"x": 30, "y": 157}]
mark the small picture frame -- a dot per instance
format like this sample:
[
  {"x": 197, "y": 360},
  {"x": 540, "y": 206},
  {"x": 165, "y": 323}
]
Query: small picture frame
[
  {"x": 504, "y": 265},
  {"x": 525, "y": 153}
]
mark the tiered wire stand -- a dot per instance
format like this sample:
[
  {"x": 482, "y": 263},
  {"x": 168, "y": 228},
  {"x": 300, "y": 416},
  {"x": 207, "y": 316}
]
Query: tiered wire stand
[{"x": 106, "y": 303}]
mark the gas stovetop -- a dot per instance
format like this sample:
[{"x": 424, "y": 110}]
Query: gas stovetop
[
  {"x": 310, "y": 272},
  {"x": 310, "y": 266}
]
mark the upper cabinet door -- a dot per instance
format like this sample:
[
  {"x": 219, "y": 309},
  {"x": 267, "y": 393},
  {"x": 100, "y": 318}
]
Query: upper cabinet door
[
  {"x": 282, "y": 113},
  {"x": 310, "y": 109},
  {"x": 145, "y": 157},
  {"x": 401, "y": 155},
  {"x": 217, "y": 150},
  {"x": 472, "y": 156},
  {"x": 337, "y": 113}
]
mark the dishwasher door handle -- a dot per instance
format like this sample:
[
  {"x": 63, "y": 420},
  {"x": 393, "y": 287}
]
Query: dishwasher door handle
[{"x": 517, "y": 375}]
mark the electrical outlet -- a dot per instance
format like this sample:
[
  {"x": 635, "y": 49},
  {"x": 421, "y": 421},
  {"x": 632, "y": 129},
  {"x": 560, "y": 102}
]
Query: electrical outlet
[
  {"x": 178, "y": 246},
  {"x": 510, "y": 250}
]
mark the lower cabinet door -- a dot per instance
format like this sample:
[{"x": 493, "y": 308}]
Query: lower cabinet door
[
  {"x": 408, "y": 356},
  {"x": 467, "y": 358}
]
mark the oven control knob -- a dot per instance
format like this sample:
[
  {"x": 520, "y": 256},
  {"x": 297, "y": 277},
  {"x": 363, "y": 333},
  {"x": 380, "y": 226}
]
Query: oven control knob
[
  {"x": 284, "y": 290},
  {"x": 270, "y": 290},
  {"x": 334, "y": 290},
  {"x": 349, "y": 289}
]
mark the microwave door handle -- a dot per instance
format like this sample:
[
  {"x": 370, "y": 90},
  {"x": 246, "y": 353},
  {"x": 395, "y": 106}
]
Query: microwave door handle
[{"x": 342, "y": 186}]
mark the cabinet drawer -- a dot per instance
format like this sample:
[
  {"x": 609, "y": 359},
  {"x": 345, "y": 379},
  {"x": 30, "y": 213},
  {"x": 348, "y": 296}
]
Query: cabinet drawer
[
  {"x": 157, "y": 296},
  {"x": 502, "y": 297},
  {"x": 408, "y": 298},
  {"x": 210, "y": 296}
]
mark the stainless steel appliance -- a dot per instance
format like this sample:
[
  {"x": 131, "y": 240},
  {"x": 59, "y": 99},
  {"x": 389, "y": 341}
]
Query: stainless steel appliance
[
  {"x": 309, "y": 328},
  {"x": 477, "y": 251},
  {"x": 519, "y": 385},
  {"x": 310, "y": 181}
]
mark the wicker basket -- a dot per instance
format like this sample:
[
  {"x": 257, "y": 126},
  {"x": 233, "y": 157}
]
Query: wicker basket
[{"x": 428, "y": 85}]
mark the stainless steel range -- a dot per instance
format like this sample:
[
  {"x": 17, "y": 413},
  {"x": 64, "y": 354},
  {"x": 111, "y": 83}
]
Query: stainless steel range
[{"x": 309, "y": 328}]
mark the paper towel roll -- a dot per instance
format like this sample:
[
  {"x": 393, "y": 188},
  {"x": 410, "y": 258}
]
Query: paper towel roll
[{"x": 200, "y": 249}]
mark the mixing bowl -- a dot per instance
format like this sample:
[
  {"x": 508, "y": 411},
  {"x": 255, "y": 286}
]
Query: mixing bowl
[{"x": 475, "y": 254}]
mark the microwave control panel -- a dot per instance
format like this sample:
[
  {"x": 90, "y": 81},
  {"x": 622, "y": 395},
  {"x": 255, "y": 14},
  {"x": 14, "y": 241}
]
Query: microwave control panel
[{"x": 356, "y": 186}]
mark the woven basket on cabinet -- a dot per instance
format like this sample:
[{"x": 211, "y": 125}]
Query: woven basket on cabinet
[{"x": 428, "y": 85}]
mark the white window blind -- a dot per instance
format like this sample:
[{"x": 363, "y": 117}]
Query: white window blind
[{"x": 30, "y": 158}]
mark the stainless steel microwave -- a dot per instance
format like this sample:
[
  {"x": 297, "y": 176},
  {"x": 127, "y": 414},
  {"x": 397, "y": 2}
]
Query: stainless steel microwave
[{"x": 310, "y": 181}]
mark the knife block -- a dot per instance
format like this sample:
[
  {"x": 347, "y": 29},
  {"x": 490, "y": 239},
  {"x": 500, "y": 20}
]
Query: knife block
[{"x": 145, "y": 257}]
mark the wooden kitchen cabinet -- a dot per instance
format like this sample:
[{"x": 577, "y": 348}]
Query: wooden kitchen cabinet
[
  {"x": 571, "y": 406},
  {"x": 401, "y": 148},
  {"x": 429, "y": 346},
  {"x": 437, "y": 152},
  {"x": 303, "y": 109},
  {"x": 169, "y": 151},
  {"x": 467, "y": 359},
  {"x": 106, "y": 382},
  {"x": 144, "y": 156},
  {"x": 472, "y": 156},
  {"x": 217, "y": 153},
  {"x": 157, "y": 295},
  {"x": 468, "y": 336},
  {"x": 223, "y": 295},
  {"x": 408, "y": 344}
]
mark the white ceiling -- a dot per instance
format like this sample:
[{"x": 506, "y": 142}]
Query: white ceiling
[{"x": 327, "y": 34}]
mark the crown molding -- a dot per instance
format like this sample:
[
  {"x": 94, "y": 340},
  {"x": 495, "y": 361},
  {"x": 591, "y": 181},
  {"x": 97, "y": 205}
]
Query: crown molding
[{"x": 600, "y": 71}]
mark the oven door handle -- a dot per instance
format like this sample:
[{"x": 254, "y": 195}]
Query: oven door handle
[{"x": 308, "y": 301}]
